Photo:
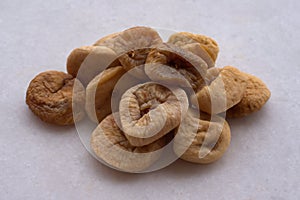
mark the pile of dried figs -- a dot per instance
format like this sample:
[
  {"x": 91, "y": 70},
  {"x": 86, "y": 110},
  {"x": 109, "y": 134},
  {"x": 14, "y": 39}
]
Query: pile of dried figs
[{"x": 145, "y": 93}]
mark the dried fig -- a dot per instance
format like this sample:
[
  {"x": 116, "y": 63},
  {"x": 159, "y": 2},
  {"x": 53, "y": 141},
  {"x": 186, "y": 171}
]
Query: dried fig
[
  {"x": 149, "y": 111},
  {"x": 193, "y": 46},
  {"x": 207, "y": 43},
  {"x": 172, "y": 65},
  {"x": 90, "y": 61},
  {"x": 200, "y": 139},
  {"x": 223, "y": 93},
  {"x": 103, "y": 40},
  {"x": 109, "y": 143},
  {"x": 132, "y": 46},
  {"x": 98, "y": 93},
  {"x": 255, "y": 96},
  {"x": 211, "y": 75},
  {"x": 50, "y": 95}
]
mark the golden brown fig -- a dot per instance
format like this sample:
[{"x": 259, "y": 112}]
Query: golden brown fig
[
  {"x": 50, "y": 95},
  {"x": 254, "y": 98},
  {"x": 109, "y": 143},
  {"x": 201, "y": 139},
  {"x": 149, "y": 111}
]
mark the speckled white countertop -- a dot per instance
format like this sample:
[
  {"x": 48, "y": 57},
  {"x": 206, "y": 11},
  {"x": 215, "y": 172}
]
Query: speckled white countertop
[{"x": 41, "y": 161}]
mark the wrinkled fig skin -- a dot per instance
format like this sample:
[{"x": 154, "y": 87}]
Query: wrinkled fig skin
[
  {"x": 223, "y": 93},
  {"x": 132, "y": 46},
  {"x": 49, "y": 96},
  {"x": 254, "y": 97},
  {"x": 201, "y": 140},
  {"x": 89, "y": 61},
  {"x": 172, "y": 65},
  {"x": 109, "y": 143},
  {"x": 99, "y": 91},
  {"x": 207, "y": 43},
  {"x": 149, "y": 111}
]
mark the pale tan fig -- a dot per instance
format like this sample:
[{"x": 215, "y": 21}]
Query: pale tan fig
[
  {"x": 50, "y": 97},
  {"x": 88, "y": 61},
  {"x": 207, "y": 43},
  {"x": 109, "y": 143},
  {"x": 223, "y": 93},
  {"x": 201, "y": 139},
  {"x": 99, "y": 92},
  {"x": 132, "y": 46},
  {"x": 172, "y": 65},
  {"x": 149, "y": 111},
  {"x": 254, "y": 98}
]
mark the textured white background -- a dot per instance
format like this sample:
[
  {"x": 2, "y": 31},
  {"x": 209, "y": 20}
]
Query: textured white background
[{"x": 41, "y": 161}]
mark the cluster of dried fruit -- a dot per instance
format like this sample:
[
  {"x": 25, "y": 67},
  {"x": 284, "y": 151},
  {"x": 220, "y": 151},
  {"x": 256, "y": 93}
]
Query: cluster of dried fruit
[{"x": 172, "y": 92}]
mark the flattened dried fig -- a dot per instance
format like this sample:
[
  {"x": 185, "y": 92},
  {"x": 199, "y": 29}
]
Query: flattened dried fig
[
  {"x": 207, "y": 43},
  {"x": 223, "y": 93},
  {"x": 133, "y": 45},
  {"x": 254, "y": 97},
  {"x": 99, "y": 91},
  {"x": 201, "y": 140},
  {"x": 149, "y": 111},
  {"x": 109, "y": 143},
  {"x": 50, "y": 95},
  {"x": 90, "y": 61},
  {"x": 172, "y": 65}
]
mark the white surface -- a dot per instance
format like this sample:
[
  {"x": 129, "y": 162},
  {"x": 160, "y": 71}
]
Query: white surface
[{"x": 41, "y": 161}]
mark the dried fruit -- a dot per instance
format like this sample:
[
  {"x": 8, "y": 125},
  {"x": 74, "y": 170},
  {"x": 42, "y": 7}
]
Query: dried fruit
[
  {"x": 254, "y": 97},
  {"x": 207, "y": 43},
  {"x": 149, "y": 111},
  {"x": 200, "y": 139},
  {"x": 132, "y": 46},
  {"x": 223, "y": 93},
  {"x": 187, "y": 43},
  {"x": 50, "y": 95},
  {"x": 109, "y": 143},
  {"x": 103, "y": 40},
  {"x": 172, "y": 65},
  {"x": 99, "y": 92},
  {"x": 211, "y": 75},
  {"x": 88, "y": 61}
]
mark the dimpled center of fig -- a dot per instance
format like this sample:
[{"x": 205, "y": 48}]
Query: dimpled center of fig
[{"x": 151, "y": 96}]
